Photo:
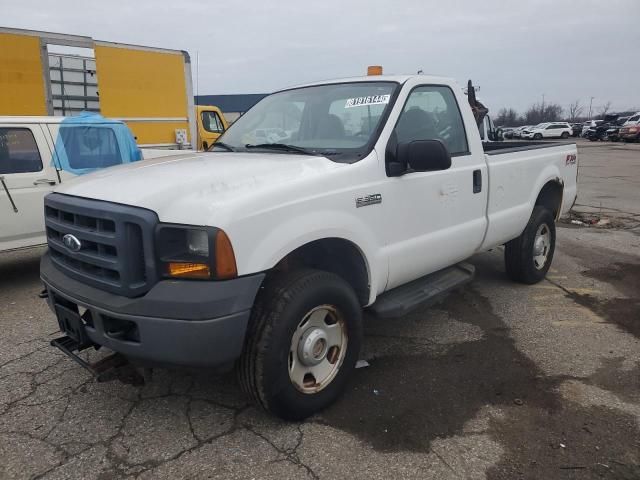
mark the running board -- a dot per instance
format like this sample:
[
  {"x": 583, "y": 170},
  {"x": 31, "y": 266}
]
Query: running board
[{"x": 422, "y": 292}]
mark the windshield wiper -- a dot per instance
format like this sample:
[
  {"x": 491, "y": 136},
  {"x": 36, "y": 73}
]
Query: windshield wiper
[
  {"x": 228, "y": 148},
  {"x": 282, "y": 146}
]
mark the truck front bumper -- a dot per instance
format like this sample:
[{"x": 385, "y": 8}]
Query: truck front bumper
[{"x": 177, "y": 322}]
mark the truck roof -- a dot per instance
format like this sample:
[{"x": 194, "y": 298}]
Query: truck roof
[
  {"x": 377, "y": 78},
  {"x": 43, "y": 119}
]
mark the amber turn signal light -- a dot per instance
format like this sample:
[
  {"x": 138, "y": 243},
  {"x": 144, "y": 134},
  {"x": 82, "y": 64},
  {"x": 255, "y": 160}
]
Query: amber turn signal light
[
  {"x": 188, "y": 270},
  {"x": 225, "y": 258}
]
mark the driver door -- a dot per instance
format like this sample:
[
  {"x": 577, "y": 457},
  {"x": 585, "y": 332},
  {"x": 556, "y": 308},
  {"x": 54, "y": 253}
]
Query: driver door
[{"x": 436, "y": 218}]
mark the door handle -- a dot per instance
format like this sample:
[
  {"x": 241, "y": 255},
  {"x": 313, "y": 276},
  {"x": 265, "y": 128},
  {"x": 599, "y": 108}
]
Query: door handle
[
  {"x": 44, "y": 181},
  {"x": 477, "y": 181}
]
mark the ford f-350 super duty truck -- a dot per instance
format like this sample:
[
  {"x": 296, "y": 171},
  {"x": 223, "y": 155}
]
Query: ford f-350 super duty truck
[{"x": 321, "y": 200}]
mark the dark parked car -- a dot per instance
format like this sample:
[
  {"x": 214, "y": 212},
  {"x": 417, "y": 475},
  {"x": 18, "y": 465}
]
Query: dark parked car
[
  {"x": 613, "y": 132},
  {"x": 576, "y": 129},
  {"x": 507, "y": 132}
]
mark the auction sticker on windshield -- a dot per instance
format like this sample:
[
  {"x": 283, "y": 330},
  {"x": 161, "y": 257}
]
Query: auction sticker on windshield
[{"x": 369, "y": 100}]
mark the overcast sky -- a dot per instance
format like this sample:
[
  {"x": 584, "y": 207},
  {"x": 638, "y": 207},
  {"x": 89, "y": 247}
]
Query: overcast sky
[{"x": 515, "y": 50}]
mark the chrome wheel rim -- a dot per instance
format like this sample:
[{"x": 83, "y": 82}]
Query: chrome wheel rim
[
  {"x": 541, "y": 246},
  {"x": 318, "y": 348}
]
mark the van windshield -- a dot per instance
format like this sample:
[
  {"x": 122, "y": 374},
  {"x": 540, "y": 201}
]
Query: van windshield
[{"x": 341, "y": 121}]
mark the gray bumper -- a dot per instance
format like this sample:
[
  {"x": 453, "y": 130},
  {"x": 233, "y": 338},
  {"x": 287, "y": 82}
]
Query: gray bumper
[{"x": 178, "y": 322}]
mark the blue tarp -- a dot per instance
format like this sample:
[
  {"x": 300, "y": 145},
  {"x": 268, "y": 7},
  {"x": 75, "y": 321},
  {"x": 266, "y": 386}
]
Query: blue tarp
[{"x": 89, "y": 141}]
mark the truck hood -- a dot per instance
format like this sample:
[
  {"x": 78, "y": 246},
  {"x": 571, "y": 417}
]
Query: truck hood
[{"x": 197, "y": 183}]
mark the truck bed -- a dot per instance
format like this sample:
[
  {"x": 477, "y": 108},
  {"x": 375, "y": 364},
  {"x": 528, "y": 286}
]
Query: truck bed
[{"x": 493, "y": 148}]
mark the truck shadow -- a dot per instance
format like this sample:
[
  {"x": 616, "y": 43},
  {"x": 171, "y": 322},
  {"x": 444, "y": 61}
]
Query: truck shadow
[
  {"x": 20, "y": 268},
  {"x": 406, "y": 402}
]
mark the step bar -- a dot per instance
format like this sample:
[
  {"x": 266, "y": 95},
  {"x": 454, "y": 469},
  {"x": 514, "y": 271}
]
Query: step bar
[{"x": 423, "y": 292}]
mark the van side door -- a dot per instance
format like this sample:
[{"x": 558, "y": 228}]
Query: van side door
[
  {"x": 29, "y": 174},
  {"x": 435, "y": 218}
]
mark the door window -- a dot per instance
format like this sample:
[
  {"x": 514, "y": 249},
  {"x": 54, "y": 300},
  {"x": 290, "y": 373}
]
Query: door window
[
  {"x": 18, "y": 151},
  {"x": 432, "y": 113},
  {"x": 211, "y": 122}
]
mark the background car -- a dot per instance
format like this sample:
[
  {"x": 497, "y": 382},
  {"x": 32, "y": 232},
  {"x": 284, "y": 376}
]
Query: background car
[
  {"x": 528, "y": 132},
  {"x": 577, "y": 129},
  {"x": 549, "y": 130},
  {"x": 589, "y": 124},
  {"x": 507, "y": 132},
  {"x": 630, "y": 131},
  {"x": 613, "y": 132}
]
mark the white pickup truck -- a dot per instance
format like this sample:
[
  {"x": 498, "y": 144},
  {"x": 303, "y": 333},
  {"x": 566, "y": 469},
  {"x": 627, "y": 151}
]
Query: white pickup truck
[{"x": 263, "y": 252}]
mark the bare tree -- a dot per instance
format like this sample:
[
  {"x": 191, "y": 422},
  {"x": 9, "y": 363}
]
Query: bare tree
[
  {"x": 538, "y": 113},
  {"x": 575, "y": 110},
  {"x": 604, "y": 109},
  {"x": 506, "y": 117}
]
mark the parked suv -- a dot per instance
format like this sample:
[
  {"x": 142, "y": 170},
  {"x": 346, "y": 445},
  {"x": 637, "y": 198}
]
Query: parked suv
[{"x": 549, "y": 130}]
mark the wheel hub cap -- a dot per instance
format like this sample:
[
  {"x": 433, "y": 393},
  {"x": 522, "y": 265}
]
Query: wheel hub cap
[
  {"x": 318, "y": 348},
  {"x": 313, "y": 346},
  {"x": 538, "y": 248},
  {"x": 541, "y": 246}
]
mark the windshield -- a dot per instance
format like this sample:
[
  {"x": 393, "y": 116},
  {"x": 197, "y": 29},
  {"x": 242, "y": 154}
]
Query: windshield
[{"x": 339, "y": 120}]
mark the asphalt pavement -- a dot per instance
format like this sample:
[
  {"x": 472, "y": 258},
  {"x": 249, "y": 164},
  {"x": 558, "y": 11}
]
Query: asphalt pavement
[{"x": 500, "y": 381}]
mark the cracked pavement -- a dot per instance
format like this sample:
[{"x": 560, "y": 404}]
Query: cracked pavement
[{"x": 500, "y": 381}]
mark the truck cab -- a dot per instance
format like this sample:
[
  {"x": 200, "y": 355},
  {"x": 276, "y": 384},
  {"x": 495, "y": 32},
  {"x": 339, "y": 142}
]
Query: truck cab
[{"x": 211, "y": 124}]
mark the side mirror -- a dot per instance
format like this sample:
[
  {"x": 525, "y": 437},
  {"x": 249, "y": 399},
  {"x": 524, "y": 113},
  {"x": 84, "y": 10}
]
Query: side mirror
[{"x": 424, "y": 155}]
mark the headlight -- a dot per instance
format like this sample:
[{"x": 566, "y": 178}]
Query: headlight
[
  {"x": 194, "y": 252},
  {"x": 198, "y": 242}
]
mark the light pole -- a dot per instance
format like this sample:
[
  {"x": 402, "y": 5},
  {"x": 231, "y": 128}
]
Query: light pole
[{"x": 590, "y": 104}]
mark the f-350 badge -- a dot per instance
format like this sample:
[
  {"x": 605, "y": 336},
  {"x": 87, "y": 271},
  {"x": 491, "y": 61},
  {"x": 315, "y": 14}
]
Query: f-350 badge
[{"x": 368, "y": 200}]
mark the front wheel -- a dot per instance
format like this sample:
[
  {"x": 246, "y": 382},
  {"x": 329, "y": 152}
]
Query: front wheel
[
  {"x": 564, "y": 135},
  {"x": 537, "y": 136},
  {"x": 302, "y": 343},
  {"x": 528, "y": 257}
]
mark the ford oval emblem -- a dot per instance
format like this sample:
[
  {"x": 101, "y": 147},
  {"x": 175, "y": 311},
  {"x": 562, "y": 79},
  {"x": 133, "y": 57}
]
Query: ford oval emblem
[{"x": 72, "y": 242}]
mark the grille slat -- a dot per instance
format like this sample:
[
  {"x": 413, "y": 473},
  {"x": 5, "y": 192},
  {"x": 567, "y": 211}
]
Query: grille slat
[
  {"x": 115, "y": 240},
  {"x": 82, "y": 233},
  {"x": 97, "y": 260}
]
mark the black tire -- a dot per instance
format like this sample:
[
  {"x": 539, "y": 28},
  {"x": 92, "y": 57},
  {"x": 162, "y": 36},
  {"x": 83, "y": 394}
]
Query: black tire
[
  {"x": 519, "y": 252},
  {"x": 564, "y": 135},
  {"x": 263, "y": 369},
  {"x": 537, "y": 136}
]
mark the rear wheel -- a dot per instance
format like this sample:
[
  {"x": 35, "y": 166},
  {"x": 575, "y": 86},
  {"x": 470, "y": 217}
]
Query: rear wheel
[
  {"x": 302, "y": 344},
  {"x": 528, "y": 257}
]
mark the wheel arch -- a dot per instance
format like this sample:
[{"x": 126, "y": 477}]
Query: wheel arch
[
  {"x": 550, "y": 196},
  {"x": 333, "y": 254}
]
